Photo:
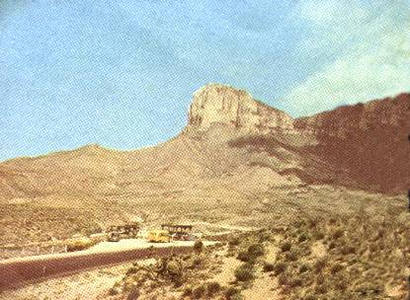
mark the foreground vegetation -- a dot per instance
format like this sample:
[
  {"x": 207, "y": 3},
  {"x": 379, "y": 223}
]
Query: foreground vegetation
[
  {"x": 356, "y": 258},
  {"x": 362, "y": 257}
]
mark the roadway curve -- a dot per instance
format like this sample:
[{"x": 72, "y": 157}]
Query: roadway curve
[{"x": 17, "y": 272}]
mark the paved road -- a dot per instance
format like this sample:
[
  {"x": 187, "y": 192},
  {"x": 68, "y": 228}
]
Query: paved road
[{"x": 20, "y": 271}]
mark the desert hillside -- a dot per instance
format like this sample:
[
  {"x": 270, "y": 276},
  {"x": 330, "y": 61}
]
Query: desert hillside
[{"x": 234, "y": 156}]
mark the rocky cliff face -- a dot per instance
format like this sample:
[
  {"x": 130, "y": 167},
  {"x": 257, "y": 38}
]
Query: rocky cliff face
[
  {"x": 220, "y": 104},
  {"x": 362, "y": 145},
  {"x": 367, "y": 142},
  {"x": 390, "y": 113}
]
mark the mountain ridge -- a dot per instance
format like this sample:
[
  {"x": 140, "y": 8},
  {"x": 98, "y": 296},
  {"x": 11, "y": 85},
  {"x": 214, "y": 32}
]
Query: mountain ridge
[
  {"x": 239, "y": 169},
  {"x": 226, "y": 123},
  {"x": 300, "y": 123}
]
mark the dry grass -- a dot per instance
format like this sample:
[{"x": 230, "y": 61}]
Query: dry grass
[
  {"x": 186, "y": 275},
  {"x": 366, "y": 256}
]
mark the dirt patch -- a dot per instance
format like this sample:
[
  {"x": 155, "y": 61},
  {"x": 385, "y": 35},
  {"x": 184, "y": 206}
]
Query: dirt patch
[
  {"x": 85, "y": 285},
  {"x": 264, "y": 287},
  {"x": 227, "y": 276},
  {"x": 318, "y": 249},
  {"x": 271, "y": 253}
]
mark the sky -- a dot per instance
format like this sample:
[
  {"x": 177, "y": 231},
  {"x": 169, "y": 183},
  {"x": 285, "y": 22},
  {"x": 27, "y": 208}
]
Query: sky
[{"x": 122, "y": 73}]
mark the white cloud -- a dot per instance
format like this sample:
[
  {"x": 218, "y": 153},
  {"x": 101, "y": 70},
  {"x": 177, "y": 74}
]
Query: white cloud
[
  {"x": 371, "y": 51},
  {"x": 331, "y": 11}
]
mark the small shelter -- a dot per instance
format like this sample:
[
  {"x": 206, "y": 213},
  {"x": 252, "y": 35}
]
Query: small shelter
[{"x": 177, "y": 229}]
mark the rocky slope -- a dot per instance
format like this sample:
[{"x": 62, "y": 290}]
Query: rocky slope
[
  {"x": 235, "y": 155},
  {"x": 230, "y": 133}
]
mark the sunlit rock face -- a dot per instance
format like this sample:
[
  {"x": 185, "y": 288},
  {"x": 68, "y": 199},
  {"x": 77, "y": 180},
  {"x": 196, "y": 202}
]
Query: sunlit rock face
[{"x": 220, "y": 104}]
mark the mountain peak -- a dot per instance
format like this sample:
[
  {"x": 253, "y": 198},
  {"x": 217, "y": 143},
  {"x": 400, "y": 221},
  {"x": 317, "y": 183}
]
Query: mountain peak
[{"x": 221, "y": 104}]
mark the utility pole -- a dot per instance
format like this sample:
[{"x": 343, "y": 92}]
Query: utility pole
[{"x": 408, "y": 197}]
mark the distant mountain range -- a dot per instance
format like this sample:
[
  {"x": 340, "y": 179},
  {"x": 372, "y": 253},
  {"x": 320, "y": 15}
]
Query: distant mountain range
[{"x": 232, "y": 139}]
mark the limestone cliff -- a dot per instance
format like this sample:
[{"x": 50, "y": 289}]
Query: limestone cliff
[{"x": 221, "y": 104}]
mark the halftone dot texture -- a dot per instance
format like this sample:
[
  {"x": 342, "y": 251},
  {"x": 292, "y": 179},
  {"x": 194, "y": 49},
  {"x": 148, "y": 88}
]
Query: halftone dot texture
[
  {"x": 96, "y": 77},
  {"x": 122, "y": 74}
]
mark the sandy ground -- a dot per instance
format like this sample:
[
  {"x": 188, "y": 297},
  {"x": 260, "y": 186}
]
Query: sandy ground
[
  {"x": 318, "y": 249},
  {"x": 271, "y": 253},
  {"x": 227, "y": 275},
  {"x": 84, "y": 285},
  {"x": 264, "y": 287}
]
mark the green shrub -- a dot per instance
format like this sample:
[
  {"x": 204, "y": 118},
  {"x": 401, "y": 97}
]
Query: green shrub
[
  {"x": 283, "y": 279},
  {"x": 303, "y": 237},
  {"x": 134, "y": 294},
  {"x": 174, "y": 268},
  {"x": 319, "y": 265},
  {"x": 187, "y": 291},
  {"x": 264, "y": 236},
  {"x": 251, "y": 254},
  {"x": 337, "y": 234},
  {"x": 300, "y": 223},
  {"x": 243, "y": 256},
  {"x": 235, "y": 241},
  {"x": 285, "y": 246},
  {"x": 291, "y": 256},
  {"x": 268, "y": 267},
  {"x": 280, "y": 268},
  {"x": 255, "y": 250},
  {"x": 336, "y": 268},
  {"x": 198, "y": 292},
  {"x": 132, "y": 270},
  {"x": 213, "y": 288},
  {"x": 232, "y": 293},
  {"x": 296, "y": 282},
  {"x": 244, "y": 272},
  {"x": 321, "y": 289},
  {"x": 198, "y": 246},
  {"x": 114, "y": 291},
  {"x": 237, "y": 297},
  {"x": 318, "y": 235},
  {"x": 304, "y": 268},
  {"x": 348, "y": 250}
]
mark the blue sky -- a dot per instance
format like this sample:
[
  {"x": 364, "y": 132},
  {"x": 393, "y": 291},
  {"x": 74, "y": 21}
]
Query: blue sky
[{"x": 122, "y": 74}]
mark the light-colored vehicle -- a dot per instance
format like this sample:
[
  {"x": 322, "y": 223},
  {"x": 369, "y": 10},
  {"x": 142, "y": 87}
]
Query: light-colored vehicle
[{"x": 159, "y": 236}]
